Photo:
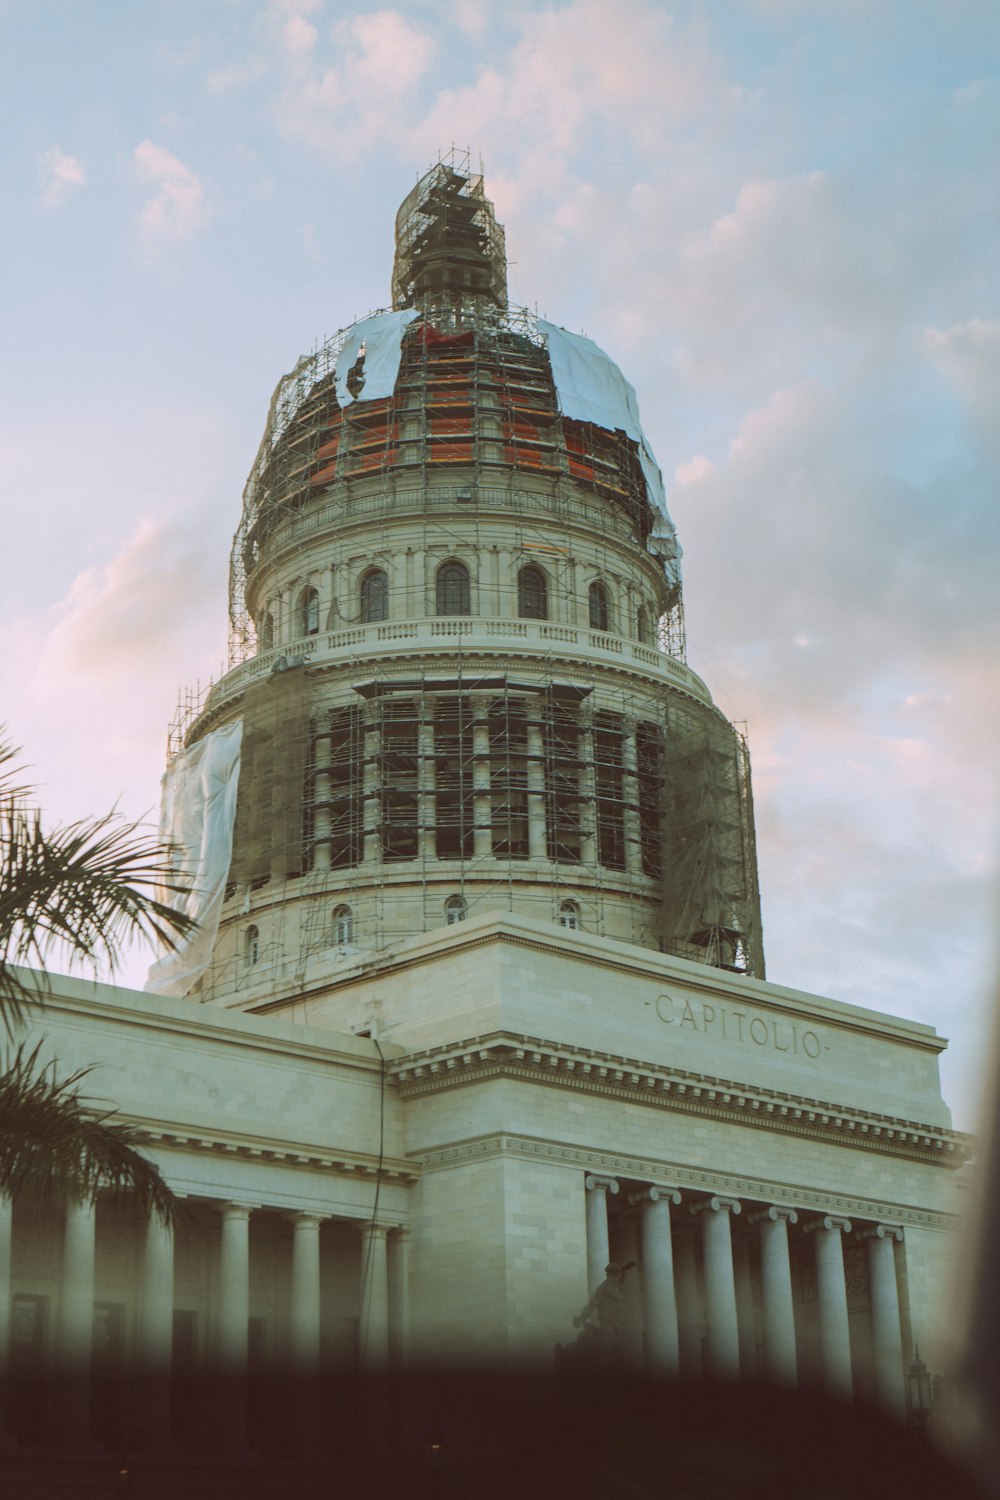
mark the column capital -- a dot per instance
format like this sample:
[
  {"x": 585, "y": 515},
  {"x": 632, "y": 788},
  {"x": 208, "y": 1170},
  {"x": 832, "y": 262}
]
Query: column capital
[
  {"x": 881, "y": 1232},
  {"x": 601, "y": 1184},
  {"x": 304, "y": 1217},
  {"x": 366, "y": 1227},
  {"x": 717, "y": 1205},
  {"x": 828, "y": 1221},
  {"x": 233, "y": 1211},
  {"x": 774, "y": 1213},
  {"x": 655, "y": 1193}
]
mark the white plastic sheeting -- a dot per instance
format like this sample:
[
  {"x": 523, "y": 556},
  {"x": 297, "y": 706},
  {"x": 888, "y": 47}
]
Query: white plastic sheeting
[
  {"x": 591, "y": 388},
  {"x": 382, "y": 337},
  {"x": 196, "y": 819}
]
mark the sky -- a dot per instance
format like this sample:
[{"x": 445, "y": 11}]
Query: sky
[{"x": 780, "y": 217}]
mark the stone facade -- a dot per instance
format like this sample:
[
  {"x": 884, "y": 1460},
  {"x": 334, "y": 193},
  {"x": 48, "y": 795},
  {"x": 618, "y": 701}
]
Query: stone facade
[{"x": 485, "y": 1011}]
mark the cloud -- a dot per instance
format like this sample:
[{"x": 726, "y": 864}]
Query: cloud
[
  {"x": 177, "y": 210},
  {"x": 968, "y": 355},
  {"x": 117, "y": 617},
  {"x": 63, "y": 175},
  {"x": 234, "y": 75},
  {"x": 365, "y": 95}
]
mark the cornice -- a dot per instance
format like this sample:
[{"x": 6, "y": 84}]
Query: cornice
[
  {"x": 269, "y": 1150},
  {"x": 583, "y": 1070},
  {"x": 759, "y": 993},
  {"x": 761, "y": 1189}
]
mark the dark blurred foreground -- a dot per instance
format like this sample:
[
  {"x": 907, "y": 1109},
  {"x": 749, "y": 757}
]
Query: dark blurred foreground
[{"x": 477, "y": 1436}]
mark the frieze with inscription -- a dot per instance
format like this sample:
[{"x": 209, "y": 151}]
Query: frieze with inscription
[{"x": 740, "y": 1027}]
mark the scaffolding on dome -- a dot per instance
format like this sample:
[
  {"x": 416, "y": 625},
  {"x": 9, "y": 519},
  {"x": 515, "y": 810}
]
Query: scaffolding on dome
[{"x": 375, "y": 805}]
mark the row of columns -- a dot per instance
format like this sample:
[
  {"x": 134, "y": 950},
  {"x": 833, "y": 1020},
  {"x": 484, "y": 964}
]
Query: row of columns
[
  {"x": 670, "y": 1293},
  {"x": 75, "y": 1322}
]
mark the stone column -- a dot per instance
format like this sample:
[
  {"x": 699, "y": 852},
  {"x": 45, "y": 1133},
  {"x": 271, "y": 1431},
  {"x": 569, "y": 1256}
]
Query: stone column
[
  {"x": 630, "y": 789},
  {"x": 399, "y": 1294},
  {"x": 598, "y": 1246},
  {"x": 373, "y": 805},
  {"x": 305, "y": 1309},
  {"x": 776, "y": 1286},
  {"x": 234, "y": 1286},
  {"x": 426, "y": 795},
  {"x": 482, "y": 801},
  {"x": 588, "y": 792},
  {"x": 76, "y": 1318},
  {"x": 886, "y": 1332},
  {"x": 234, "y": 1322},
  {"x": 745, "y": 1316},
  {"x": 321, "y": 798},
  {"x": 660, "y": 1304},
  {"x": 373, "y": 1338},
  {"x": 156, "y": 1329},
  {"x": 831, "y": 1296},
  {"x": 537, "y": 843},
  {"x": 690, "y": 1324},
  {"x": 720, "y": 1286}
]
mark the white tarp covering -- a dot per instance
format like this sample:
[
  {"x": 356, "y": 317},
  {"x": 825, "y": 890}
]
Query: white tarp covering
[
  {"x": 196, "y": 819},
  {"x": 382, "y": 336},
  {"x": 591, "y": 388}
]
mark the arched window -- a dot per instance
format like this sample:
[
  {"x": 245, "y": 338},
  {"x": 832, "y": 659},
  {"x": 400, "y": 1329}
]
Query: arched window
[
  {"x": 309, "y": 612},
  {"x": 597, "y": 599},
  {"x": 532, "y": 594},
  {"x": 267, "y": 631},
  {"x": 455, "y": 910},
  {"x": 343, "y": 926},
  {"x": 251, "y": 946},
  {"x": 453, "y": 589},
  {"x": 569, "y": 915},
  {"x": 644, "y": 625},
  {"x": 374, "y": 596}
]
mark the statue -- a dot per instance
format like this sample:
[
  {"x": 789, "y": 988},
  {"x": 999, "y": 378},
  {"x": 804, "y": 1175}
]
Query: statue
[{"x": 606, "y": 1340}]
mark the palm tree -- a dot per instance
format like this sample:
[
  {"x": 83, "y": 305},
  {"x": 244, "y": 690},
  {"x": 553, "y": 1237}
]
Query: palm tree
[{"x": 81, "y": 891}]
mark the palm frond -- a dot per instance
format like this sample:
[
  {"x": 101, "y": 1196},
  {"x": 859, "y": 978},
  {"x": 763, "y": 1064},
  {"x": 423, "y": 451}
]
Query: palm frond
[
  {"x": 86, "y": 888},
  {"x": 56, "y": 1146}
]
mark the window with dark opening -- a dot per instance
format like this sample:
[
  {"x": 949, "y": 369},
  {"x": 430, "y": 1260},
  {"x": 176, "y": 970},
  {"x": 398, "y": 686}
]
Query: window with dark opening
[
  {"x": 374, "y": 596},
  {"x": 455, "y": 910},
  {"x": 649, "y": 776},
  {"x": 400, "y": 777},
  {"x": 453, "y": 594},
  {"x": 562, "y": 781},
  {"x": 609, "y": 784},
  {"x": 597, "y": 598},
  {"x": 569, "y": 915},
  {"x": 532, "y": 594},
  {"x": 454, "y": 800},
  {"x": 508, "y": 737},
  {"x": 343, "y": 926},
  {"x": 309, "y": 612},
  {"x": 251, "y": 946}
]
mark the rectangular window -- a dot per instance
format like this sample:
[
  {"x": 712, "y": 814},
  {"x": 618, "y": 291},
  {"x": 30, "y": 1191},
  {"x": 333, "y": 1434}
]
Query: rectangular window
[
  {"x": 508, "y": 739},
  {"x": 649, "y": 776},
  {"x": 454, "y": 800},
  {"x": 400, "y": 777},
  {"x": 609, "y": 783},
  {"x": 562, "y": 781}
]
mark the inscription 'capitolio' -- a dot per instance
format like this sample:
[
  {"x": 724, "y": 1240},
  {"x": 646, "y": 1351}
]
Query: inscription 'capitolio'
[{"x": 728, "y": 1024}]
